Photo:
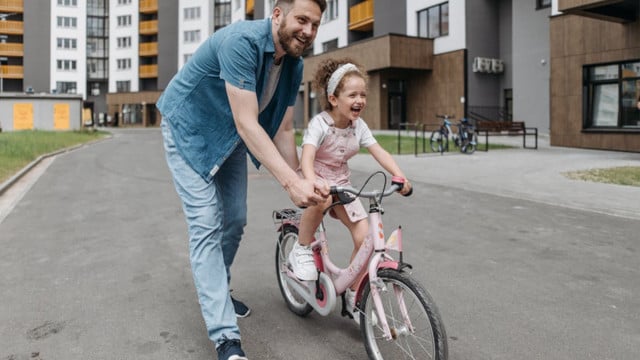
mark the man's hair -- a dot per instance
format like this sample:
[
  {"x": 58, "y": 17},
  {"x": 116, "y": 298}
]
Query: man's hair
[{"x": 286, "y": 4}]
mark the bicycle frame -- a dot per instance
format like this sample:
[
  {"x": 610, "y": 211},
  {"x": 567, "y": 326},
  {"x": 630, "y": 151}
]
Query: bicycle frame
[{"x": 334, "y": 280}]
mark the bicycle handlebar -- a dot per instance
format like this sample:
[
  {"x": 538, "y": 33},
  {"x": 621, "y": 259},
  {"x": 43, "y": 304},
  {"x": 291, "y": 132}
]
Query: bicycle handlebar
[{"x": 341, "y": 191}]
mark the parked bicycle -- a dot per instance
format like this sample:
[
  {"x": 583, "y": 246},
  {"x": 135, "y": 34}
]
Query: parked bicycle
[
  {"x": 398, "y": 317},
  {"x": 465, "y": 138}
]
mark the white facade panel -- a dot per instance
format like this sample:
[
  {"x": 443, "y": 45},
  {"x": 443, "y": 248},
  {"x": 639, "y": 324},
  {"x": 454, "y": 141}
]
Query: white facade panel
[
  {"x": 335, "y": 29},
  {"x": 188, "y": 24},
  {"x": 75, "y": 56},
  {"x": 120, "y": 53},
  {"x": 456, "y": 40}
]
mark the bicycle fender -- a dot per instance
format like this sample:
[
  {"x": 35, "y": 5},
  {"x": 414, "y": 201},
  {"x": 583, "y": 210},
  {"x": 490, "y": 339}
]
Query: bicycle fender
[{"x": 365, "y": 279}]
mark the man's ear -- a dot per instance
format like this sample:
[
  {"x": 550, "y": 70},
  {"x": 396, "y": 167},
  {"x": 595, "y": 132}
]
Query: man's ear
[{"x": 275, "y": 15}]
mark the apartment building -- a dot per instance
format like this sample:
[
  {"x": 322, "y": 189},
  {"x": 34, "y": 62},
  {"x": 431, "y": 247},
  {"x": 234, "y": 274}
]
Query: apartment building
[
  {"x": 568, "y": 67},
  {"x": 595, "y": 78}
]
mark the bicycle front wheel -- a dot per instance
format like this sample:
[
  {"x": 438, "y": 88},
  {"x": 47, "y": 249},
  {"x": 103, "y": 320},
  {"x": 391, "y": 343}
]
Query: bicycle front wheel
[
  {"x": 295, "y": 302},
  {"x": 421, "y": 335},
  {"x": 471, "y": 143},
  {"x": 438, "y": 142}
]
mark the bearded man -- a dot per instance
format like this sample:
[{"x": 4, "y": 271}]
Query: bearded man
[{"x": 235, "y": 94}]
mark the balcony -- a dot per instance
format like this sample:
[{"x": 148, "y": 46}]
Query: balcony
[
  {"x": 148, "y": 71},
  {"x": 11, "y": 49},
  {"x": 621, "y": 11},
  {"x": 361, "y": 16},
  {"x": 149, "y": 27},
  {"x": 148, "y": 49},
  {"x": 12, "y": 71},
  {"x": 11, "y": 27},
  {"x": 148, "y": 6},
  {"x": 11, "y": 6},
  {"x": 249, "y": 7}
]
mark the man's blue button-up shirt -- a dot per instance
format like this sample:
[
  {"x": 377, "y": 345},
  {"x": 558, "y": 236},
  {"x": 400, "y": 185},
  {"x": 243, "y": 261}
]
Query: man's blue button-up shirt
[{"x": 195, "y": 102}]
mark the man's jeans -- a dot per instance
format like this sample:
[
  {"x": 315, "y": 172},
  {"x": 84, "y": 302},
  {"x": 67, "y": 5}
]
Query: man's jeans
[{"x": 216, "y": 214}]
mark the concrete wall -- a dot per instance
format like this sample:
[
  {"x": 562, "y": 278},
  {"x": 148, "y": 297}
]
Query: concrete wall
[
  {"x": 40, "y": 112},
  {"x": 37, "y": 45},
  {"x": 167, "y": 41},
  {"x": 531, "y": 68}
]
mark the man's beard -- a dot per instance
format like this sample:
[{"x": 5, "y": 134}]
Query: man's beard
[{"x": 285, "y": 38}]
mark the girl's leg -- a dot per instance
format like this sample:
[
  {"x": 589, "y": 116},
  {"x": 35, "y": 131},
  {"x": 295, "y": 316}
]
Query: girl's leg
[
  {"x": 358, "y": 230},
  {"x": 301, "y": 255}
]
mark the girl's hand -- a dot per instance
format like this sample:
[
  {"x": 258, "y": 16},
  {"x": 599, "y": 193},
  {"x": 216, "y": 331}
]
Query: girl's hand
[{"x": 406, "y": 188}]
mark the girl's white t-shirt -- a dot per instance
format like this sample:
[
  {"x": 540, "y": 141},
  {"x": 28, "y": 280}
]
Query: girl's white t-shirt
[{"x": 318, "y": 128}]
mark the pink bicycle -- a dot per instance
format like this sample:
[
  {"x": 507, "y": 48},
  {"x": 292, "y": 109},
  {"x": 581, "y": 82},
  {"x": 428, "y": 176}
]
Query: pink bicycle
[{"x": 398, "y": 317}]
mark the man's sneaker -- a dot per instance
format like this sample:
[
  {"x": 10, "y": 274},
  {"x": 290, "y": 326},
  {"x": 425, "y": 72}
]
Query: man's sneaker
[
  {"x": 230, "y": 350},
  {"x": 350, "y": 297},
  {"x": 240, "y": 308},
  {"x": 302, "y": 264}
]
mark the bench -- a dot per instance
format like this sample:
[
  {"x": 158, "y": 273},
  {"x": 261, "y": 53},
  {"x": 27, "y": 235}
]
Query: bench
[{"x": 507, "y": 128}]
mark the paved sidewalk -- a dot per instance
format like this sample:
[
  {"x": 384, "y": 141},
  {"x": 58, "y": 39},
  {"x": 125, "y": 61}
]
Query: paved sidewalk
[{"x": 527, "y": 174}]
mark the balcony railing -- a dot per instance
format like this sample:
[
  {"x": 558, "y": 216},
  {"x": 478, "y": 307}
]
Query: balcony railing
[
  {"x": 149, "y": 27},
  {"x": 148, "y": 6},
  {"x": 11, "y": 49},
  {"x": 250, "y": 6},
  {"x": 11, "y": 27},
  {"x": 361, "y": 16},
  {"x": 12, "y": 71},
  {"x": 148, "y": 71},
  {"x": 11, "y": 6},
  {"x": 149, "y": 49}
]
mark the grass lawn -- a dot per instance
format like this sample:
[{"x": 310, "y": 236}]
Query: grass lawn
[
  {"x": 19, "y": 148},
  {"x": 407, "y": 144},
  {"x": 623, "y": 175}
]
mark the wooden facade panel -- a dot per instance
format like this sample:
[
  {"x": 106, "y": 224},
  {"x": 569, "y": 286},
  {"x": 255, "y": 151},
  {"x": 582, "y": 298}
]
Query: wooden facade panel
[{"x": 576, "y": 42}]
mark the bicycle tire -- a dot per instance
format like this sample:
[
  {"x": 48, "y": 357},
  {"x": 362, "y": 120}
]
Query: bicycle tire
[
  {"x": 429, "y": 338},
  {"x": 438, "y": 142},
  {"x": 295, "y": 303},
  {"x": 471, "y": 143}
]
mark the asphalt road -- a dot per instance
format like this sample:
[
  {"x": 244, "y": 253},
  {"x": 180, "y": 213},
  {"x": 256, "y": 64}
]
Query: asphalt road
[{"x": 94, "y": 265}]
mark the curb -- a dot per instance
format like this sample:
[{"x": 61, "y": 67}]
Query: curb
[{"x": 12, "y": 180}]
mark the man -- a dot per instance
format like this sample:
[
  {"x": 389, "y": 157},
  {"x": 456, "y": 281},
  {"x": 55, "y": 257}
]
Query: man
[{"x": 235, "y": 94}]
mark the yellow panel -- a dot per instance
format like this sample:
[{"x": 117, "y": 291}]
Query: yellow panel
[
  {"x": 23, "y": 116},
  {"x": 61, "y": 117}
]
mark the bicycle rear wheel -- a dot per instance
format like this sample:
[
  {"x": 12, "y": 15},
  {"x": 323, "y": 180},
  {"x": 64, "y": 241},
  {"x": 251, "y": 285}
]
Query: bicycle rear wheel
[
  {"x": 424, "y": 338},
  {"x": 471, "y": 143},
  {"x": 438, "y": 142},
  {"x": 295, "y": 302}
]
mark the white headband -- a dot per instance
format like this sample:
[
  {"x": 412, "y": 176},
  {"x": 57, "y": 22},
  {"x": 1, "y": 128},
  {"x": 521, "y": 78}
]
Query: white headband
[{"x": 337, "y": 75}]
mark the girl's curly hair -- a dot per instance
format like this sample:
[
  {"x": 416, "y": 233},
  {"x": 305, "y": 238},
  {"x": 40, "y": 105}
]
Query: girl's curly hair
[{"x": 323, "y": 73}]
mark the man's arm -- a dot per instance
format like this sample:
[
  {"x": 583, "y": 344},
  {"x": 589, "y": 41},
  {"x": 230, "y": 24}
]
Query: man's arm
[
  {"x": 285, "y": 140},
  {"x": 244, "y": 106}
]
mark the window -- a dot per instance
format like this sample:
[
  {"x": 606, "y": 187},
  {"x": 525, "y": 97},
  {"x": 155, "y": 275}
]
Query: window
[
  {"x": 331, "y": 13},
  {"x": 97, "y": 68},
  {"x": 124, "y": 2},
  {"x": 192, "y": 36},
  {"x": 123, "y": 86},
  {"x": 68, "y": 2},
  {"x": 124, "y": 64},
  {"x": 192, "y": 13},
  {"x": 329, "y": 45},
  {"x": 66, "y": 65},
  {"x": 65, "y": 87},
  {"x": 541, "y": 4},
  {"x": 187, "y": 57},
  {"x": 96, "y": 26},
  {"x": 65, "y": 43},
  {"x": 611, "y": 93},
  {"x": 67, "y": 22},
  {"x": 433, "y": 22},
  {"x": 124, "y": 42},
  {"x": 124, "y": 20},
  {"x": 222, "y": 16}
]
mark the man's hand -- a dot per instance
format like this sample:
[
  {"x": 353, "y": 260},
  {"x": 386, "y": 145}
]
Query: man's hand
[{"x": 304, "y": 193}]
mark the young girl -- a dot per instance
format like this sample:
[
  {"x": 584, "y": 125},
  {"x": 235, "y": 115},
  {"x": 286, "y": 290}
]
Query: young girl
[{"x": 331, "y": 139}]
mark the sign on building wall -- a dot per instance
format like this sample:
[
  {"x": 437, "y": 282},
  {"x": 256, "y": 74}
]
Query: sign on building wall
[
  {"x": 61, "y": 120},
  {"x": 23, "y": 116}
]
